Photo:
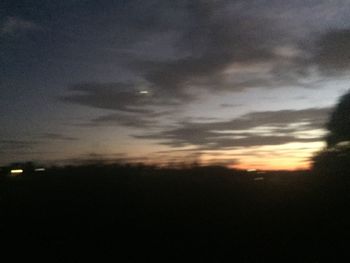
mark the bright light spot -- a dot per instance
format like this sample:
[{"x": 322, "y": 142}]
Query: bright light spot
[
  {"x": 143, "y": 91},
  {"x": 16, "y": 171},
  {"x": 259, "y": 179},
  {"x": 39, "y": 169},
  {"x": 251, "y": 170}
]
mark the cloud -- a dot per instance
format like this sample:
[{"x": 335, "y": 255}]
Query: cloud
[
  {"x": 26, "y": 146},
  {"x": 122, "y": 120},
  {"x": 14, "y": 145},
  {"x": 134, "y": 120},
  {"x": 252, "y": 129},
  {"x": 229, "y": 105},
  {"x": 332, "y": 51},
  {"x": 213, "y": 40},
  {"x": 15, "y": 25},
  {"x": 216, "y": 47},
  {"x": 58, "y": 137},
  {"x": 219, "y": 46},
  {"x": 133, "y": 107},
  {"x": 115, "y": 96},
  {"x": 226, "y": 47}
]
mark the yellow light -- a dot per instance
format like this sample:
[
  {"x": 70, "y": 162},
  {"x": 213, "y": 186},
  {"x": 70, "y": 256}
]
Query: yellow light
[
  {"x": 144, "y": 92},
  {"x": 16, "y": 171}
]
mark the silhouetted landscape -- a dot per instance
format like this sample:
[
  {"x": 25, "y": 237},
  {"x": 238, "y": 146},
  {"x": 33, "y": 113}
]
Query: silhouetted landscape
[
  {"x": 105, "y": 209},
  {"x": 174, "y": 131},
  {"x": 208, "y": 212}
]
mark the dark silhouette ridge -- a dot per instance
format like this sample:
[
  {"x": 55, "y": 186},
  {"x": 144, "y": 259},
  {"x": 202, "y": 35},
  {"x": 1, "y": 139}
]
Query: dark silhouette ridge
[{"x": 137, "y": 212}]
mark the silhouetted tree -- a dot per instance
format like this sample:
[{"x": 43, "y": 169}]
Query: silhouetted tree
[
  {"x": 339, "y": 123},
  {"x": 335, "y": 158}
]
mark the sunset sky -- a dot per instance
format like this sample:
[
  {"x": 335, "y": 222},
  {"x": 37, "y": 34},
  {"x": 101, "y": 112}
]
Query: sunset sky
[{"x": 242, "y": 83}]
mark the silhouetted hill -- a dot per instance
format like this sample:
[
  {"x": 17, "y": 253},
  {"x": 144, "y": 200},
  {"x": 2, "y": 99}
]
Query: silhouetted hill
[{"x": 133, "y": 213}]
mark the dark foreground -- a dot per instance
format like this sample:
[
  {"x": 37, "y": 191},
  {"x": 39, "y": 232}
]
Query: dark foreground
[{"x": 141, "y": 215}]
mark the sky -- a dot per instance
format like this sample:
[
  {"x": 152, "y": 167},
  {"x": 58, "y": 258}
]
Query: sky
[{"x": 242, "y": 83}]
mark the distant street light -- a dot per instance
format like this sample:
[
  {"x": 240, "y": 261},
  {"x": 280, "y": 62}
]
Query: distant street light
[{"x": 16, "y": 171}]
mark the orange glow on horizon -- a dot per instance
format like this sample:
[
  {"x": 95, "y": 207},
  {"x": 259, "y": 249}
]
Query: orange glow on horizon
[
  {"x": 291, "y": 156},
  {"x": 286, "y": 167}
]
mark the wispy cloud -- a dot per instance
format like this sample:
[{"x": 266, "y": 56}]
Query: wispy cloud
[
  {"x": 13, "y": 146},
  {"x": 332, "y": 53},
  {"x": 217, "y": 46},
  {"x": 13, "y": 26},
  {"x": 115, "y": 96},
  {"x": 57, "y": 137},
  {"x": 253, "y": 129}
]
